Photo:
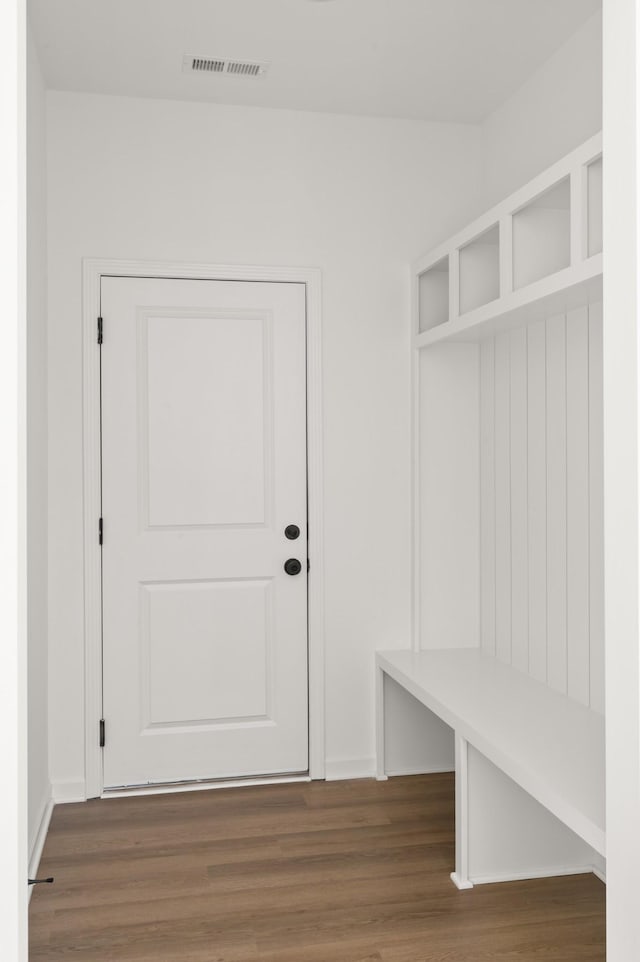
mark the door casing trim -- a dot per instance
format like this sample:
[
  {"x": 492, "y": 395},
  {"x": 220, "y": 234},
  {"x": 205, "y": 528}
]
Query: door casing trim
[{"x": 93, "y": 269}]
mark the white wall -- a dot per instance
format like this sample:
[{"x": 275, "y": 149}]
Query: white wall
[
  {"x": 39, "y": 787},
  {"x": 358, "y": 198},
  {"x": 558, "y": 108},
  {"x": 449, "y": 480}
]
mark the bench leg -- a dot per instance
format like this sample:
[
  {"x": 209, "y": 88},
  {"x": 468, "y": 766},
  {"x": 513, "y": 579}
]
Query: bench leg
[
  {"x": 381, "y": 774},
  {"x": 460, "y": 877}
]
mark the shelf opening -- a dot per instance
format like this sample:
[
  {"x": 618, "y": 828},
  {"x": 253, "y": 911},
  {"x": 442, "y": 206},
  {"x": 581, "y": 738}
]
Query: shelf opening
[
  {"x": 433, "y": 296},
  {"x": 542, "y": 236},
  {"x": 480, "y": 270}
]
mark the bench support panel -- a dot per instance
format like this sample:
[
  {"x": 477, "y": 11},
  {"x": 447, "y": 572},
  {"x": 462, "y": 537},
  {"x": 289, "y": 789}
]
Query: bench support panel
[
  {"x": 411, "y": 740},
  {"x": 381, "y": 772},
  {"x": 503, "y": 834},
  {"x": 460, "y": 877}
]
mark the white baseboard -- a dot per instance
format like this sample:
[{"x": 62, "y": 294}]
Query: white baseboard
[
  {"x": 342, "y": 768},
  {"x": 537, "y": 873},
  {"x": 418, "y": 771},
  {"x": 600, "y": 867},
  {"x": 67, "y": 790},
  {"x": 459, "y": 883},
  {"x": 37, "y": 843}
]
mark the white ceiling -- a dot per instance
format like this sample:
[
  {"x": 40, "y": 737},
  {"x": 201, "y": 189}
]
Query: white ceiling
[{"x": 450, "y": 60}]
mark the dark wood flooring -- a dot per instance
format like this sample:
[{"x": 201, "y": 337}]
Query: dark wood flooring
[{"x": 352, "y": 871}]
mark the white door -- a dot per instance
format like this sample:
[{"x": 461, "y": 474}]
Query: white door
[{"x": 203, "y": 469}]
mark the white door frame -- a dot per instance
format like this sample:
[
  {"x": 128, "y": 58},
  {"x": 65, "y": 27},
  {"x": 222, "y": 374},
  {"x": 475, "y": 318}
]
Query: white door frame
[
  {"x": 621, "y": 340},
  {"x": 93, "y": 271},
  {"x": 13, "y": 484}
]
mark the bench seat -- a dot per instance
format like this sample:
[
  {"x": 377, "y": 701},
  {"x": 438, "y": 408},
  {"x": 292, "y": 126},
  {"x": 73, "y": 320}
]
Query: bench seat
[{"x": 548, "y": 744}]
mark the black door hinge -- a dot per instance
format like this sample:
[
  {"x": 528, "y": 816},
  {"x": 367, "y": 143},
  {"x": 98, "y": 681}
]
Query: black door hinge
[
  {"x": 308, "y": 566},
  {"x": 99, "y": 330},
  {"x": 102, "y": 737},
  {"x": 100, "y": 531}
]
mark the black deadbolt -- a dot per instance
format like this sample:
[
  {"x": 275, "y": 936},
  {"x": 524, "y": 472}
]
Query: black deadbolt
[
  {"x": 292, "y": 566},
  {"x": 292, "y": 531}
]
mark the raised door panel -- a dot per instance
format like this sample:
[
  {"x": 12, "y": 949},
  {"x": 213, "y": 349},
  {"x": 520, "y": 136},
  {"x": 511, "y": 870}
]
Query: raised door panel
[
  {"x": 205, "y": 414},
  {"x": 220, "y": 672}
]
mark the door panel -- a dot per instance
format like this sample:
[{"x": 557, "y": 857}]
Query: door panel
[
  {"x": 204, "y": 465},
  {"x": 223, "y": 661}
]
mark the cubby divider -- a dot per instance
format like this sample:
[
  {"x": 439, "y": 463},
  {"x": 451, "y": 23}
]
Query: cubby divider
[{"x": 594, "y": 207}]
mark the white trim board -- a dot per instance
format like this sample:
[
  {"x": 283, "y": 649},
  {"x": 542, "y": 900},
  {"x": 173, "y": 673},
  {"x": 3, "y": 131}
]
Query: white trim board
[
  {"x": 341, "y": 769},
  {"x": 68, "y": 790},
  {"x": 344, "y": 768},
  {"x": 419, "y": 770},
  {"x": 37, "y": 846},
  {"x": 551, "y": 872},
  {"x": 93, "y": 270}
]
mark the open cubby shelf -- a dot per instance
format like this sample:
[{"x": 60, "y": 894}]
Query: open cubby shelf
[
  {"x": 479, "y": 270},
  {"x": 433, "y": 295},
  {"x": 542, "y": 236},
  {"x": 537, "y": 252}
]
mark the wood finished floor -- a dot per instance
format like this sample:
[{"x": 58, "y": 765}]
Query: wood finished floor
[{"x": 352, "y": 871}]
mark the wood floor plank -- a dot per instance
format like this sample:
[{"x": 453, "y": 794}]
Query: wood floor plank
[{"x": 322, "y": 872}]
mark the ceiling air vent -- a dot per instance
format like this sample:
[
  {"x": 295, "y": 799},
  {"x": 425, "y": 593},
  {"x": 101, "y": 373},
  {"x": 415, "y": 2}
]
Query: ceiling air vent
[
  {"x": 209, "y": 66},
  {"x": 232, "y": 68}
]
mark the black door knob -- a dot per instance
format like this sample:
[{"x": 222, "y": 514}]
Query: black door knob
[
  {"x": 292, "y": 531},
  {"x": 292, "y": 566}
]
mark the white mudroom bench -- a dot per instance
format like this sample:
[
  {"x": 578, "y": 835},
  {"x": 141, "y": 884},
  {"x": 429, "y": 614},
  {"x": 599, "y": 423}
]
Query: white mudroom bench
[
  {"x": 507, "y": 653},
  {"x": 529, "y": 764}
]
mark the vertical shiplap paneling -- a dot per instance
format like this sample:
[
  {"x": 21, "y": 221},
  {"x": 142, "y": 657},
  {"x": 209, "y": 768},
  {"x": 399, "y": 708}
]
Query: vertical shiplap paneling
[
  {"x": 537, "y": 498},
  {"x": 487, "y": 498},
  {"x": 503, "y": 497},
  {"x": 596, "y": 509},
  {"x": 578, "y": 682},
  {"x": 518, "y": 497},
  {"x": 556, "y": 505},
  {"x": 541, "y": 502}
]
